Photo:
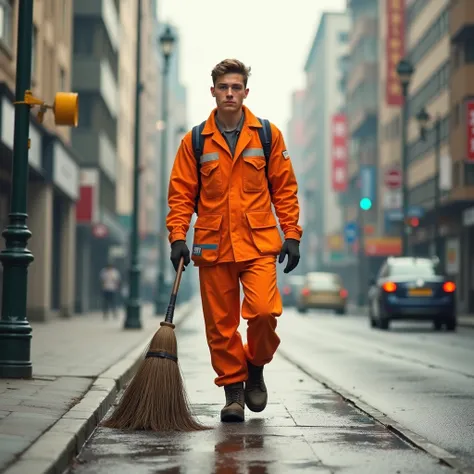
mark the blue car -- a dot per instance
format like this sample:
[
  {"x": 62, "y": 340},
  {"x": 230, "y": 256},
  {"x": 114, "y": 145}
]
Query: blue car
[{"x": 411, "y": 288}]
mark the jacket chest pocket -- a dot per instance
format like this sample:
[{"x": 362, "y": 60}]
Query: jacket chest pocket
[
  {"x": 211, "y": 175},
  {"x": 254, "y": 170}
]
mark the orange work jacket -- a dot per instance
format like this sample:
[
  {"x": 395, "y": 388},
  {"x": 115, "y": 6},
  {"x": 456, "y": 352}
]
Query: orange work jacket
[{"x": 235, "y": 221}]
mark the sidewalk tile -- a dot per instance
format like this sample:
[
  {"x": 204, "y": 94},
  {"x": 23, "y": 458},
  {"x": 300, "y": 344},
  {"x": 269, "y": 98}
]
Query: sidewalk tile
[{"x": 68, "y": 356}]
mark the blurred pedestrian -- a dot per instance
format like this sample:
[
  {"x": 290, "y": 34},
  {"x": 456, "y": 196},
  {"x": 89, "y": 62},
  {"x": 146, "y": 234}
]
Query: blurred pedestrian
[
  {"x": 110, "y": 279},
  {"x": 231, "y": 173}
]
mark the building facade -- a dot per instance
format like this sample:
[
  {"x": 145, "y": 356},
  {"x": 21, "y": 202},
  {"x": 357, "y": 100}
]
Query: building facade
[
  {"x": 362, "y": 87},
  {"x": 323, "y": 97},
  {"x": 295, "y": 132},
  {"x": 96, "y": 79},
  {"x": 295, "y": 142},
  {"x": 126, "y": 119},
  {"x": 459, "y": 249},
  {"x": 150, "y": 114},
  {"x": 53, "y": 186},
  {"x": 427, "y": 47}
]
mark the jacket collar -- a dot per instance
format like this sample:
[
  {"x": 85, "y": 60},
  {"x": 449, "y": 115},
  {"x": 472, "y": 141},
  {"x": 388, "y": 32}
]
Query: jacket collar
[{"x": 250, "y": 121}]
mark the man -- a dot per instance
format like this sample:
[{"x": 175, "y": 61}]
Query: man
[
  {"x": 110, "y": 279},
  {"x": 236, "y": 238}
]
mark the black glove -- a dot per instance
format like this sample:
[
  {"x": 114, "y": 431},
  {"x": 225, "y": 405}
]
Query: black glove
[
  {"x": 179, "y": 249},
  {"x": 291, "y": 247}
]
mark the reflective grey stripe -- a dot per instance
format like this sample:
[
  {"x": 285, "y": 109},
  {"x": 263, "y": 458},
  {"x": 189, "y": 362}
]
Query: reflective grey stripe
[
  {"x": 209, "y": 157},
  {"x": 253, "y": 152}
]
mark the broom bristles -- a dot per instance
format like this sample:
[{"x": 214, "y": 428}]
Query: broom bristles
[{"x": 155, "y": 399}]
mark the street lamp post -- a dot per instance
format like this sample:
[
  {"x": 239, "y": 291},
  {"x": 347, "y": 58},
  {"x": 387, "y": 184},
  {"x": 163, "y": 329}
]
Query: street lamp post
[
  {"x": 361, "y": 252},
  {"x": 424, "y": 119},
  {"x": 15, "y": 330},
  {"x": 405, "y": 71},
  {"x": 132, "y": 319},
  {"x": 167, "y": 41}
]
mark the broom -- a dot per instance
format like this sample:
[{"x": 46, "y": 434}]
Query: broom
[{"x": 155, "y": 399}]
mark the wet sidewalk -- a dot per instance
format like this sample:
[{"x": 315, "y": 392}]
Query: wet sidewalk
[
  {"x": 79, "y": 364},
  {"x": 306, "y": 428}
]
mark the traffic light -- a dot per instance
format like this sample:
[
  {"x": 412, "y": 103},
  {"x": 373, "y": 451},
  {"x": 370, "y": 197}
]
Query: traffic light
[
  {"x": 365, "y": 204},
  {"x": 413, "y": 221}
]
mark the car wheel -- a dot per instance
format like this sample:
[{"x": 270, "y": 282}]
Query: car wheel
[
  {"x": 373, "y": 322},
  {"x": 302, "y": 310},
  {"x": 384, "y": 324},
  {"x": 341, "y": 311},
  {"x": 438, "y": 325},
  {"x": 451, "y": 324}
]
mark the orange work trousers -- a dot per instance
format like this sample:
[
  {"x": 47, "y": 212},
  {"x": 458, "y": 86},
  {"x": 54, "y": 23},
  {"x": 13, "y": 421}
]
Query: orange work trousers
[{"x": 220, "y": 294}]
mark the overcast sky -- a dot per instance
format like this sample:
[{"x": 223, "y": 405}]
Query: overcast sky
[{"x": 271, "y": 36}]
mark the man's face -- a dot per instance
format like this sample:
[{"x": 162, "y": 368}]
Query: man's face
[{"x": 229, "y": 92}]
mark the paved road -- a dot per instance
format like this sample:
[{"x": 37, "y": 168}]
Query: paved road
[
  {"x": 306, "y": 428},
  {"x": 420, "y": 378}
]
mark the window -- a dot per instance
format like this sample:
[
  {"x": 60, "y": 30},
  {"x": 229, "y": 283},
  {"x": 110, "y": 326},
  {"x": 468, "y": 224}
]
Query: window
[
  {"x": 420, "y": 148},
  {"x": 414, "y": 10},
  {"x": 430, "y": 89},
  {"x": 469, "y": 52},
  {"x": 85, "y": 116},
  {"x": 62, "y": 80},
  {"x": 6, "y": 21},
  {"x": 468, "y": 174},
  {"x": 433, "y": 35},
  {"x": 84, "y": 34},
  {"x": 419, "y": 267},
  {"x": 343, "y": 37}
]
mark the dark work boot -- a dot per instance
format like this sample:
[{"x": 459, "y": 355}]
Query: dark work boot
[
  {"x": 234, "y": 403},
  {"x": 256, "y": 396}
]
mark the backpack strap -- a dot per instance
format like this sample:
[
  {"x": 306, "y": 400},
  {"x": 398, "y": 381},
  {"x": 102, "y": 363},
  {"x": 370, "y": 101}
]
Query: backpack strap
[
  {"x": 198, "y": 147},
  {"x": 265, "y": 134}
]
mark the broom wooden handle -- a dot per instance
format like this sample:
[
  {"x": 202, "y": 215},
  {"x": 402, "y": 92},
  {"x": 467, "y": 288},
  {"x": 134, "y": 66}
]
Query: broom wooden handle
[{"x": 174, "y": 292}]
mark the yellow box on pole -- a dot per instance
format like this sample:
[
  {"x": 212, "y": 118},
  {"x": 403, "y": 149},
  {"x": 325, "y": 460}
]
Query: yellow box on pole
[{"x": 66, "y": 109}]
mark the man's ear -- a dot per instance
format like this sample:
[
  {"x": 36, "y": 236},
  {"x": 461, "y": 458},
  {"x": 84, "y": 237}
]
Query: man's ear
[{"x": 213, "y": 91}]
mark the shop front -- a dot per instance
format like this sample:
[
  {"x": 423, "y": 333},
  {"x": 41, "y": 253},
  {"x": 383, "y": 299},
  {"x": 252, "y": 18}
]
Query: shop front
[
  {"x": 36, "y": 175},
  {"x": 101, "y": 239},
  {"x": 63, "y": 175}
]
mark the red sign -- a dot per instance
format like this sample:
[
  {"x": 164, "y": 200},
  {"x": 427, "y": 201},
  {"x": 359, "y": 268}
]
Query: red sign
[
  {"x": 470, "y": 130},
  {"x": 393, "y": 178},
  {"x": 85, "y": 204},
  {"x": 339, "y": 155},
  {"x": 380, "y": 246},
  {"x": 395, "y": 49},
  {"x": 100, "y": 230}
]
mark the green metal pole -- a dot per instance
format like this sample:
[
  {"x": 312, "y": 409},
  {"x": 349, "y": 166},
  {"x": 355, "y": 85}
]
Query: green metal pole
[
  {"x": 437, "y": 249},
  {"x": 361, "y": 251},
  {"x": 405, "y": 226},
  {"x": 132, "y": 320},
  {"x": 161, "y": 296},
  {"x": 15, "y": 330}
]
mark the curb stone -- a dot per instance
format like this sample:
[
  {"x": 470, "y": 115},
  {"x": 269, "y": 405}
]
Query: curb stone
[{"x": 54, "y": 450}]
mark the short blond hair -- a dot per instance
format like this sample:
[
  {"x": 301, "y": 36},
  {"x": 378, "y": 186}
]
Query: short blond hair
[{"x": 230, "y": 66}]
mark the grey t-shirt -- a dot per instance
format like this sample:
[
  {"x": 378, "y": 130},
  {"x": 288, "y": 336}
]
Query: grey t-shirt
[{"x": 231, "y": 136}]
